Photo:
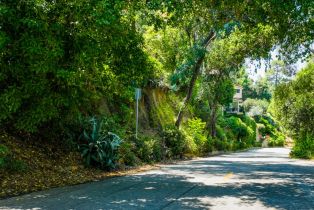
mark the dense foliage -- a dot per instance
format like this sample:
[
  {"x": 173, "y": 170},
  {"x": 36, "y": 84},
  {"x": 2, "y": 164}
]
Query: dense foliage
[
  {"x": 293, "y": 105},
  {"x": 9, "y": 163},
  {"x": 99, "y": 148},
  {"x": 270, "y": 130},
  {"x": 255, "y": 107},
  {"x": 60, "y": 59},
  {"x": 63, "y": 61}
]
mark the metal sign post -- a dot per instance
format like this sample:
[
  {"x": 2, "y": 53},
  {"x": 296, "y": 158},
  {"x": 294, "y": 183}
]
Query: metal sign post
[{"x": 138, "y": 95}]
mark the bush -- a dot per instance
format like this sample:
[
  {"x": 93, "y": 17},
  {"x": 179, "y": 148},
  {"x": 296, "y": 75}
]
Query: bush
[
  {"x": 144, "y": 149},
  {"x": 261, "y": 128},
  {"x": 113, "y": 124},
  {"x": 98, "y": 148},
  {"x": 258, "y": 144},
  {"x": 148, "y": 149},
  {"x": 12, "y": 165},
  {"x": 268, "y": 127},
  {"x": 280, "y": 141},
  {"x": 235, "y": 132},
  {"x": 268, "y": 122},
  {"x": 243, "y": 132},
  {"x": 191, "y": 147},
  {"x": 250, "y": 122},
  {"x": 9, "y": 163},
  {"x": 238, "y": 127},
  {"x": 158, "y": 151},
  {"x": 127, "y": 154},
  {"x": 277, "y": 140},
  {"x": 220, "y": 133},
  {"x": 195, "y": 132},
  {"x": 175, "y": 141},
  {"x": 219, "y": 145},
  {"x": 304, "y": 147},
  {"x": 4, "y": 151}
]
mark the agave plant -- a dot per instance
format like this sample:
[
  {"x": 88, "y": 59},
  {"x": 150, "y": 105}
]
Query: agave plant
[{"x": 99, "y": 148}]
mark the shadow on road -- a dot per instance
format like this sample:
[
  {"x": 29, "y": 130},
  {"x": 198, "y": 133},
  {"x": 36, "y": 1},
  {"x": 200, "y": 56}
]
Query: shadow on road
[{"x": 225, "y": 182}]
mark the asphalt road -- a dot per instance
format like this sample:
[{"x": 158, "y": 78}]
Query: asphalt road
[{"x": 257, "y": 179}]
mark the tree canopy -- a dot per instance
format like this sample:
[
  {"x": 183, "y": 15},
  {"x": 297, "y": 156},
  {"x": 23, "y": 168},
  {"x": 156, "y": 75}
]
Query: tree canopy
[
  {"x": 58, "y": 58},
  {"x": 61, "y": 60},
  {"x": 293, "y": 106}
]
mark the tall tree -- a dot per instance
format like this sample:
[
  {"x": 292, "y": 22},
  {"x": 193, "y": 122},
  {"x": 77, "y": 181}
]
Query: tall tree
[
  {"x": 218, "y": 89},
  {"x": 201, "y": 18},
  {"x": 222, "y": 62},
  {"x": 293, "y": 106},
  {"x": 280, "y": 72}
]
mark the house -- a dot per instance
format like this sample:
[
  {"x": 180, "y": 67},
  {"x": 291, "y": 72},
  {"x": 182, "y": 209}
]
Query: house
[{"x": 236, "y": 105}]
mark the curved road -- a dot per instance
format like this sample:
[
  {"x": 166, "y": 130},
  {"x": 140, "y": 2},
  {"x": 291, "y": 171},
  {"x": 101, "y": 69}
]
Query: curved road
[{"x": 256, "y": 179}]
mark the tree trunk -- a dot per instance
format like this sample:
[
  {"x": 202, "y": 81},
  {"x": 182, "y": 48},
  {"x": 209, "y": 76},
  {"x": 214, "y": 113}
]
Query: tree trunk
[
  {"x": 196, "y": 71},
  {"x": 189, "y": 92},
  {"x": 211, "y": 123}
]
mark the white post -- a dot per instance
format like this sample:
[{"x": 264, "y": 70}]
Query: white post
[
  {"x": 136, "y": 117},
  {"x": 137, "y": 98}
]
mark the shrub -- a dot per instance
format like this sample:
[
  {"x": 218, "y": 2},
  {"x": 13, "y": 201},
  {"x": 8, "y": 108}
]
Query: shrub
[
  {"x": 276, "y": 140},
  {"x": 250, "y": 138},
  {"x": 238, "y": 127},
  {"x": 257, "y": 144},
  {"x": 134, "y": 151},
  {"x": 158, "y": 151},
  {"x": 268, "y": 127},
  {"x": 175, "y": 141},
  {"x": 9, "y": 163},
  {"x": 98, "y": 148},
  {"x": 220, "y": 133},
  {"x": 113, "y": 124},
  {"x": 195, "y": 130},
  {"x": 219, "y": 145},
  {"x": 12, "y": 165},
  {"x": 268, "y": 122},
  {"x": 261, "y": 128},
  {"x": 250, "y": 122},
  {"x": 280, "y": 141},
  {"x": 4, "y": 151},
  {"x": 147, "y": 151},
  {"x": 304, "y": 147},
  {"x": 127, "y": 154},
  {"x": 235, "y": 132},
  {"x": 243, "y": 133},
  {"x": 191, "y": 147},
  {"x": 146, "y": 147}
]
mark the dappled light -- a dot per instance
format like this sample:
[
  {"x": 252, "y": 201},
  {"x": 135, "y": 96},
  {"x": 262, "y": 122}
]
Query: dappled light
[
  {"x": 235, "y": 180},
  {"x": 176, "y": 104}
]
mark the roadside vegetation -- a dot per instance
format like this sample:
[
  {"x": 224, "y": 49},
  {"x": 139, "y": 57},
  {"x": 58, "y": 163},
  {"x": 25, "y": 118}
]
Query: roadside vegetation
[
  {"x": 293, "y": 105},
  {"x": 69, "y": 70}
]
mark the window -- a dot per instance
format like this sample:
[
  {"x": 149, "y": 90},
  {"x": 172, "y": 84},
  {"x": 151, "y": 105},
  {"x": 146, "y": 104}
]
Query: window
[{"x": 238, "y": 90}]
